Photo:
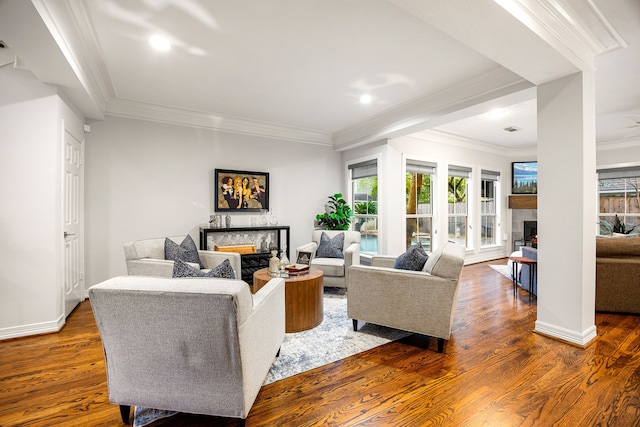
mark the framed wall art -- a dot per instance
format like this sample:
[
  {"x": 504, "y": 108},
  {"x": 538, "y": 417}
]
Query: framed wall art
[
  {"x": 241, "y": 191},
  {"x": 525, "y": 177}
]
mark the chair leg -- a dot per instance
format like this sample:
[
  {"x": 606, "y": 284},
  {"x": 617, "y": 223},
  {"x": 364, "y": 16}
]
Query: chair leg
[
  {"x": 355, "y": 324},
  {"x": 125, "y": 410},
  {"x": 278, "y": 353},
  {"x": 440, "y": 345}
]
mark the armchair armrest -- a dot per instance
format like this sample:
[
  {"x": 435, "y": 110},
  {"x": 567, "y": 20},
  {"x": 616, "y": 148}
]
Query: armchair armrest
[
  {"x": 387, "y": 261},
  {"x": 150, "y": 267},
  {"x": 352, "y": 255},
  {"x": 308, "y": 247},
  {"x": 211, "y": 259},
  {"x": 262, "y": 334}
]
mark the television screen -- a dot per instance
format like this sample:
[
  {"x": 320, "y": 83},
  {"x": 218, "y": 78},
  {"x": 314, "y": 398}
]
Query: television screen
[{"x": 525, "y": 177}]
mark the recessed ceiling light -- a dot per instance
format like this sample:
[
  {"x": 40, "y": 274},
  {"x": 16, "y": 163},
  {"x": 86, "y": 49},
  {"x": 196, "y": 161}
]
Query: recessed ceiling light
[
  {"x": 160, "y": 43},
  {"x": 497, "y": 113},
  {"x": 366, "y": 99}
]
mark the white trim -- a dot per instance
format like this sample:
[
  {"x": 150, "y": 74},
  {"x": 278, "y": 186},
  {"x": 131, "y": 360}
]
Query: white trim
[
  {"x": 33, "y": 329},
  {"x": 581, "y": 339},
  {"x": 163, "y": 114}
]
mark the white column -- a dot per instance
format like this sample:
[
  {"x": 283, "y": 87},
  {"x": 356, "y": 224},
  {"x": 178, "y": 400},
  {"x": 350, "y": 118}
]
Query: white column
[{"x": 567, "y": 208}]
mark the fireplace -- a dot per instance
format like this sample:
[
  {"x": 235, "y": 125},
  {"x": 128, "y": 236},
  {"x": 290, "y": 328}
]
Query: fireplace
[
  {"x": 530, "y": 230},
  {"x": 520, "y": 236}
]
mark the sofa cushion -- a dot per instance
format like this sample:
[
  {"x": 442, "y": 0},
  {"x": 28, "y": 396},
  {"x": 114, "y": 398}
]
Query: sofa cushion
[
  {"x": 330, "y": 247},
  {"x": 221, "y": 271},
  {"x": 333, "y": 267},
  {"x": 413, "y": 259},
  {"x": 186, "y": 251},
  {"x": 432, "y": 261}
]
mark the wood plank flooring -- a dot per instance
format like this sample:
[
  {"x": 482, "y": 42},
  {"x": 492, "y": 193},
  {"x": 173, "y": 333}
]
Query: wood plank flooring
[{"x": 495, "y": 372}]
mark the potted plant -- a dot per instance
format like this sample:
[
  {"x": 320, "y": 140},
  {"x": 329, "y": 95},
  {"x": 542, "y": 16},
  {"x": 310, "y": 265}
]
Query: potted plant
[
  {"x": 369, "y": 207},
  {"x": 337, "y": 214}
]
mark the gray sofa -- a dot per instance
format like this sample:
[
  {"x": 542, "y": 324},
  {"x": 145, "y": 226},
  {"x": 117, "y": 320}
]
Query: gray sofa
[
  {"x": 195, "y": 345},
  {"x": 146, "y": 258},
  {"x": 422, "y": 302}
]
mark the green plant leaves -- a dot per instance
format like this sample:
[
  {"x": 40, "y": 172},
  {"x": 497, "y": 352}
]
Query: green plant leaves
[{"x": 338, "y": 214}]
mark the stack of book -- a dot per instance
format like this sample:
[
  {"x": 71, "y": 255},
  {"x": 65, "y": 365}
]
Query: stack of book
[{"x": 297, "y": 269}]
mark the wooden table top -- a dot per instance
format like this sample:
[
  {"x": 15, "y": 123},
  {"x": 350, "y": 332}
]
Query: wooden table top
[{"x": 522, "y": 260}]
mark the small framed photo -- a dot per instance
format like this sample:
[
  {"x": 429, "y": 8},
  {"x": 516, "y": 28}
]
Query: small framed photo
[
  {"x": 304, "y": 258},
  {"x": 241, "y": 191}
]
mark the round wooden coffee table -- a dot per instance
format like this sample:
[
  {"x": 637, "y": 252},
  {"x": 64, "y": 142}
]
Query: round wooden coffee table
[{"x": 304, "y": 307}]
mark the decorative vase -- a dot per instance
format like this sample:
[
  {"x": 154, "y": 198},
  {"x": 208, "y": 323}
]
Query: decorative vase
[
  {"x": 227, "y": 220},
  {"x": 273, "y": 218},
  {"x": 264, "y": 220},
  {"x": 274, "y": 263},
  {"x": 284, "y": 260}
]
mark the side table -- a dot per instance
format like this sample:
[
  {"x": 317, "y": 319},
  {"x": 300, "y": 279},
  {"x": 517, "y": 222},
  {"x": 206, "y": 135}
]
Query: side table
[
  {"x": 514, "y": 273},
  {"x": 304, "y": 307}
]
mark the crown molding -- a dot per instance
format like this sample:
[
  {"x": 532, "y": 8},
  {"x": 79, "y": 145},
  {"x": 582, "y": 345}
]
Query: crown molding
[
  {"x": 577, "y": 29},
  {"x": 431, "y": 109},
  {"x": 158, "y": 113},
  {"x": 618, "y": 144},
  {"x": 451, "y": 139},
  {"x": 90, "y": 93}
]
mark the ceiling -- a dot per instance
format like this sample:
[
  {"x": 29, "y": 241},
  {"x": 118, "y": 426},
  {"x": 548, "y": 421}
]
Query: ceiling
[{"x": 296, "y": 70}]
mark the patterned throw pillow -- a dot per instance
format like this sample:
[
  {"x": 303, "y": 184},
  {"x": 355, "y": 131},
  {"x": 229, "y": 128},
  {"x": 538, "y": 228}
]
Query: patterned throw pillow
[
  {"x": 186, "y": 251},
  {"x": 413, "y": 259},
  {"x": 330, "y": 248},
  {"x": 221, "y": 271}
]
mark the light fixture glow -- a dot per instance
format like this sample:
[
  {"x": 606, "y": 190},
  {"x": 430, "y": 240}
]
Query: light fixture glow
[
  {"x": 366, "y": 99},
  {"x": 159, "y": 43},
  {"x": 497, "y": 113}
]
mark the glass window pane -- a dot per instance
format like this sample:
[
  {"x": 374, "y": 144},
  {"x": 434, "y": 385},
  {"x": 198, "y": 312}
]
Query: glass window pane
[
  {"x": 457, "y": 232},
  {"x": 365, "y": 210}
]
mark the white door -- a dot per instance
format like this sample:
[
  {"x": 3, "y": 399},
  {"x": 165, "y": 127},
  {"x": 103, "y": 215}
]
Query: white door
[{"x": 73, "y": 209}]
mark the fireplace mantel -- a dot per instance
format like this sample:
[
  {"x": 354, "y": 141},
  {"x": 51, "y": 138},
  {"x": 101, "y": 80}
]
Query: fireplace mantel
[{"x": 523, "y": 201}]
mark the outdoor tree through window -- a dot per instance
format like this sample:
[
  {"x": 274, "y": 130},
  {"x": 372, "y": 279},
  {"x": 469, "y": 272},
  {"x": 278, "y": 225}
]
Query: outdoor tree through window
[
  {"x": 458, "y": 204},
  {"x": 419, "y": 204}
]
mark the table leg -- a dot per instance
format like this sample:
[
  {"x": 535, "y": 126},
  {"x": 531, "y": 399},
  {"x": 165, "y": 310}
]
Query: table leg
[{"x": 514, "y": 272}]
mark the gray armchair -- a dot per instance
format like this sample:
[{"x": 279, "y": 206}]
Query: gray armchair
[
  {"x": 335, "y": 270},
  {"x": 146, "y": 258},
  {"x": 422, "y": 302},
  {"x": 194, "y": 345}
]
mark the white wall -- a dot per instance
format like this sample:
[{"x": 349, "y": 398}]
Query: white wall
[
  {"x": 147, "y": 179},
  {"x": 620, "y": 153},
  {"x": 31, "y": 118}
]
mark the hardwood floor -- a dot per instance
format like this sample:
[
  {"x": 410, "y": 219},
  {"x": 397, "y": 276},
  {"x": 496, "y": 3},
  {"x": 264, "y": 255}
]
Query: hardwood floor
[{"x": 495, "y": 372}]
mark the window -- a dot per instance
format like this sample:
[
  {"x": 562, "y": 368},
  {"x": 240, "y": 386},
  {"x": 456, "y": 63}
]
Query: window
[
  {"x": 419, "y": 203},
  {"x": 458, "y": 206},
  {"x": 619, "y": 191},
  {"x": 488, "y": 207},
  {"x": 364, "y": 187}
]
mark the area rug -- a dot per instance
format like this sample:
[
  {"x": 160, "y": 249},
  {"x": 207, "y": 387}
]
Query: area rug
[
  {"x": 332, "y": 340},
  {"x": 505, "y": 270}
]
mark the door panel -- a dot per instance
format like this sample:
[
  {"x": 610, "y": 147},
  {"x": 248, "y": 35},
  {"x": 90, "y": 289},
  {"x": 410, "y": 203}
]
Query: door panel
[{"x": 73, "y": 253}]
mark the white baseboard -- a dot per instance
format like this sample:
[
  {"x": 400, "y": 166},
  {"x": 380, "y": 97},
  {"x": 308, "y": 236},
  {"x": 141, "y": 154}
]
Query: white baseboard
[
  {"x": 32, "y": 329},
  {"x": 573, "y": 337}
]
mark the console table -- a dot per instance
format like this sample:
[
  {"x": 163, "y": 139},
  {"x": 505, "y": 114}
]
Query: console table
[{"x": 278, "y": 236}]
